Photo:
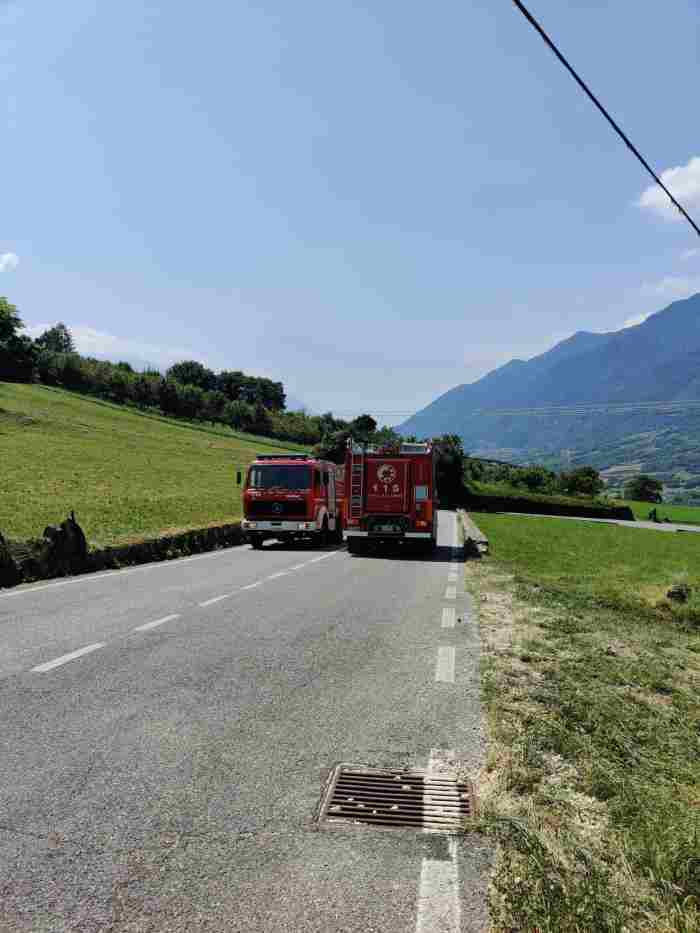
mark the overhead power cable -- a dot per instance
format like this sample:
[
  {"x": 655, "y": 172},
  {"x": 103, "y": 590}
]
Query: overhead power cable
[{"x": 584, "y": 87}]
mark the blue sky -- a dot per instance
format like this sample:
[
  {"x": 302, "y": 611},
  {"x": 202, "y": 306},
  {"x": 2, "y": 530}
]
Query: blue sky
[{"x": 370, "y": 201}]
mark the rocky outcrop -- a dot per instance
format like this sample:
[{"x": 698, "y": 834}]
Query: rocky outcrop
[{"x": 10, "y": 574}]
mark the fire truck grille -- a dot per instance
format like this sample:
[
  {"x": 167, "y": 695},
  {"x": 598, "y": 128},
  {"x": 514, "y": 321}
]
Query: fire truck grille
[{"x": 274, "y": 509}]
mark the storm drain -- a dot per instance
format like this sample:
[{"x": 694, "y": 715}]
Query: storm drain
[{"x": 395, "y": 799}]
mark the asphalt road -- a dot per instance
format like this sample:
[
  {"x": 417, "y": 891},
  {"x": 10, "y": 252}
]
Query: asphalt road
[{"x": 166, "y": 731}]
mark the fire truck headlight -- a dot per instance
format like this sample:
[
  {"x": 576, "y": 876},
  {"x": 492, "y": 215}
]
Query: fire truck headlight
[
  {"x": 251, "y": 524},
  {"x": 421, "y": 524}
]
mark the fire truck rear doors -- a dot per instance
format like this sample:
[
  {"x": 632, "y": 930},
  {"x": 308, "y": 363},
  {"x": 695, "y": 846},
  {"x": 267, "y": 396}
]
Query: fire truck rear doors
[{"x": 387, "y": 485}]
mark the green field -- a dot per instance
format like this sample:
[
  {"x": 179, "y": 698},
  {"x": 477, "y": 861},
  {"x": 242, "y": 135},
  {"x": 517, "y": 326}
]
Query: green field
[
  {"x": 590, "y": 682},
  {"x": 128, "y": 475},
  {"x": 683, "y": 514},
  {"x": 629, "y": 565}
]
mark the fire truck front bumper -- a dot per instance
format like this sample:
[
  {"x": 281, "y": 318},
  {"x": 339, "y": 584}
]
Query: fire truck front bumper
[{"x": 278, "y": 526}]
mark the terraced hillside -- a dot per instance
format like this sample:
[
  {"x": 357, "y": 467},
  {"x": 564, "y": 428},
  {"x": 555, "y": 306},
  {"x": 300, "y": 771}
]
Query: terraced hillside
[{"x": 127, "y": 475}]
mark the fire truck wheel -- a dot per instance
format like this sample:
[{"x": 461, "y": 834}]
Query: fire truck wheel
[
  {"x": 338, "y": 533},
  {"x": 355, "y": 545},
  {"x": 325, "y": 537},
  {"x": 256, "y": 542}
]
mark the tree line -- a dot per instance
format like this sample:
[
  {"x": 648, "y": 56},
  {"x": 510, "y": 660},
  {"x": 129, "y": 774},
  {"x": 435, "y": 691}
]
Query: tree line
[{"x": 188, "y": 390}]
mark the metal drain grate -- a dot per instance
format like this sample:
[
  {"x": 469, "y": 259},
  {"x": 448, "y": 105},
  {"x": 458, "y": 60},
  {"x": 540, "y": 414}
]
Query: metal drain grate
[{"x": 395, "y": 799}]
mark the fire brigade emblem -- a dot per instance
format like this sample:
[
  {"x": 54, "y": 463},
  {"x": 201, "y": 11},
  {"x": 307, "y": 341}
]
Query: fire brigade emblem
[{"x": 386, "y": 474}]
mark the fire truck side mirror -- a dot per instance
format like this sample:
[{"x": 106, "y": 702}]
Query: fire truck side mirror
[{"x": 239, "y": 478}]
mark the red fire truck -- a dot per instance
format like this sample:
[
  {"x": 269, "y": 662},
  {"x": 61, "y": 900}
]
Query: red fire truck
[
  {"x": 292, "y": 496},
  {"x": 391, "y": 496}
]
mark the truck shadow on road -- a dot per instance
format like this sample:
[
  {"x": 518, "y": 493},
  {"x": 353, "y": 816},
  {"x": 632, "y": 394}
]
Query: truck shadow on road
[
  {"x": 403, "y": 552},
  {"x": 398, "y": 551}
]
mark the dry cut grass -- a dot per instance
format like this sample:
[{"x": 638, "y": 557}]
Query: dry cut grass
[{"x": 592, "y": 783}]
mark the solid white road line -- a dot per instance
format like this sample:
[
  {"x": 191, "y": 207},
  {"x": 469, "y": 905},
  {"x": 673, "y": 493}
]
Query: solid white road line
[
  {"x": 149, "y": 625},
  {"x": 274, "y": 576},
  {"x": 445, "y": 666},
  {"x": 449, "y": 617},
  {"x": 57, "y": 662},
  {"x": 452, "y": 576},
  {"x": 451, "y": 592},
  {"x": 438, "y": 906}
]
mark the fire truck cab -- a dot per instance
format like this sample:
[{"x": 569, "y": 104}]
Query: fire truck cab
[
  {"x": 391, "y": 496},
  {"x": 293, "y": 496}
]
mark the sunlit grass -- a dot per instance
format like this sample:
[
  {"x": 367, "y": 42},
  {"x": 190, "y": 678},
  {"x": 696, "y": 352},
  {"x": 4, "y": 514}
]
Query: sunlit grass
[{"x": 128, "y": 476}]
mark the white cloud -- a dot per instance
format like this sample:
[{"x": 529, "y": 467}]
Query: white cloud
[
  {"x": 672, "y": 286},
  {"x": 8, "y": 261},
  {"x": 91, "y": 342},
  {"x": 683, "y": 182},
  {"x": 690, "y": 254}
]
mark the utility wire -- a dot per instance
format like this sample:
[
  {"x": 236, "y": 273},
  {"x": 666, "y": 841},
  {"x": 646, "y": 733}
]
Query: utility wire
[{"x": 584, "y": 87}]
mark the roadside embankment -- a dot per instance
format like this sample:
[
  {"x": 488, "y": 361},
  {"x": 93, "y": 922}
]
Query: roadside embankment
[{"x": 590, "y": 677}]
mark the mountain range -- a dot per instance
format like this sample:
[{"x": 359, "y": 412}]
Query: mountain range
[{"x": 589, "y": 392}]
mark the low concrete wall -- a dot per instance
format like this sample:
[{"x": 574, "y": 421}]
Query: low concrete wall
[
  {"x": 37, "y": 560},
  {"x": 475, "y": 541}
]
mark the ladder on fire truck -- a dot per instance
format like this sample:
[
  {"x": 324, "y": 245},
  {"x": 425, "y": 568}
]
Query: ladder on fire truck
[{"x": 357, "y": 473}]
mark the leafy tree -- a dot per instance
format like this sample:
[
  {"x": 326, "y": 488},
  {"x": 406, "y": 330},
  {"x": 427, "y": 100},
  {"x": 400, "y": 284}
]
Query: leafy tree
[
  {"x": 450, "y": 468},
  {"x": 146, "y": 390},
  {"x": 239, "y": 415},
  {"x": 585, "y": 481},
  {"x": 10, "y": 323},
  {"x": 535, "y": 478},
  {"x": 214, "y": 404},
  {"x": 644, "y": 488},
  {"x": 17, "y": 351},
  {"x": 192, "y": 373},
  {"x": 121, "y": 385},
  {"x": 231, "y": 384},
  {"x": 191, "y": 402},
  {"x": 262, "y": 421},
  {"x": 58, "y": 339},
  {"x": 362, "y": 428},
  {"x": 169, "y": 397}
]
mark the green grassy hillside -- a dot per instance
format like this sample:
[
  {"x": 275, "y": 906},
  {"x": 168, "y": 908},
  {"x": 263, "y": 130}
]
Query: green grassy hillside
[{"x": 128, "y": 475}]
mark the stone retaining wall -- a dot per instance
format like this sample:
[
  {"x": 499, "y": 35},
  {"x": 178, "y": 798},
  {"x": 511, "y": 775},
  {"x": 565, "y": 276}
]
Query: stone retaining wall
[{"x": 62, "y": 551}]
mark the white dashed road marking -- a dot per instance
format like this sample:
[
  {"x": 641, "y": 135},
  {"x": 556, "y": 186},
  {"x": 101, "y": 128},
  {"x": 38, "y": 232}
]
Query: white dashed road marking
[
  {"x": 451, "y": 592},
  {"x": 445, "y": 667},
  {"x": 216, "y": 599},
  {"x": 65, "y": 658},
  {"x": 438, "y": 895},
  {"x": 449, "y": 616},
  {"x": 149, "y": 625}
]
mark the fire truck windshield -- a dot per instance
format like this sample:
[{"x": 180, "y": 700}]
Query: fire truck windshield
[{"x": 277, "y": 476}]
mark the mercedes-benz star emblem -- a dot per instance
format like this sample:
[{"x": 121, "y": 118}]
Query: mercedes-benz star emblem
[{"x": 277, "y": 508}]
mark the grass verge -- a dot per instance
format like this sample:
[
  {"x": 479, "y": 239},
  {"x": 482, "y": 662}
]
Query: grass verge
[
  {"x": 592, "y": 785},
  {"x": 129, "y": 476},
  {"x": 683, "y": 514}
]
